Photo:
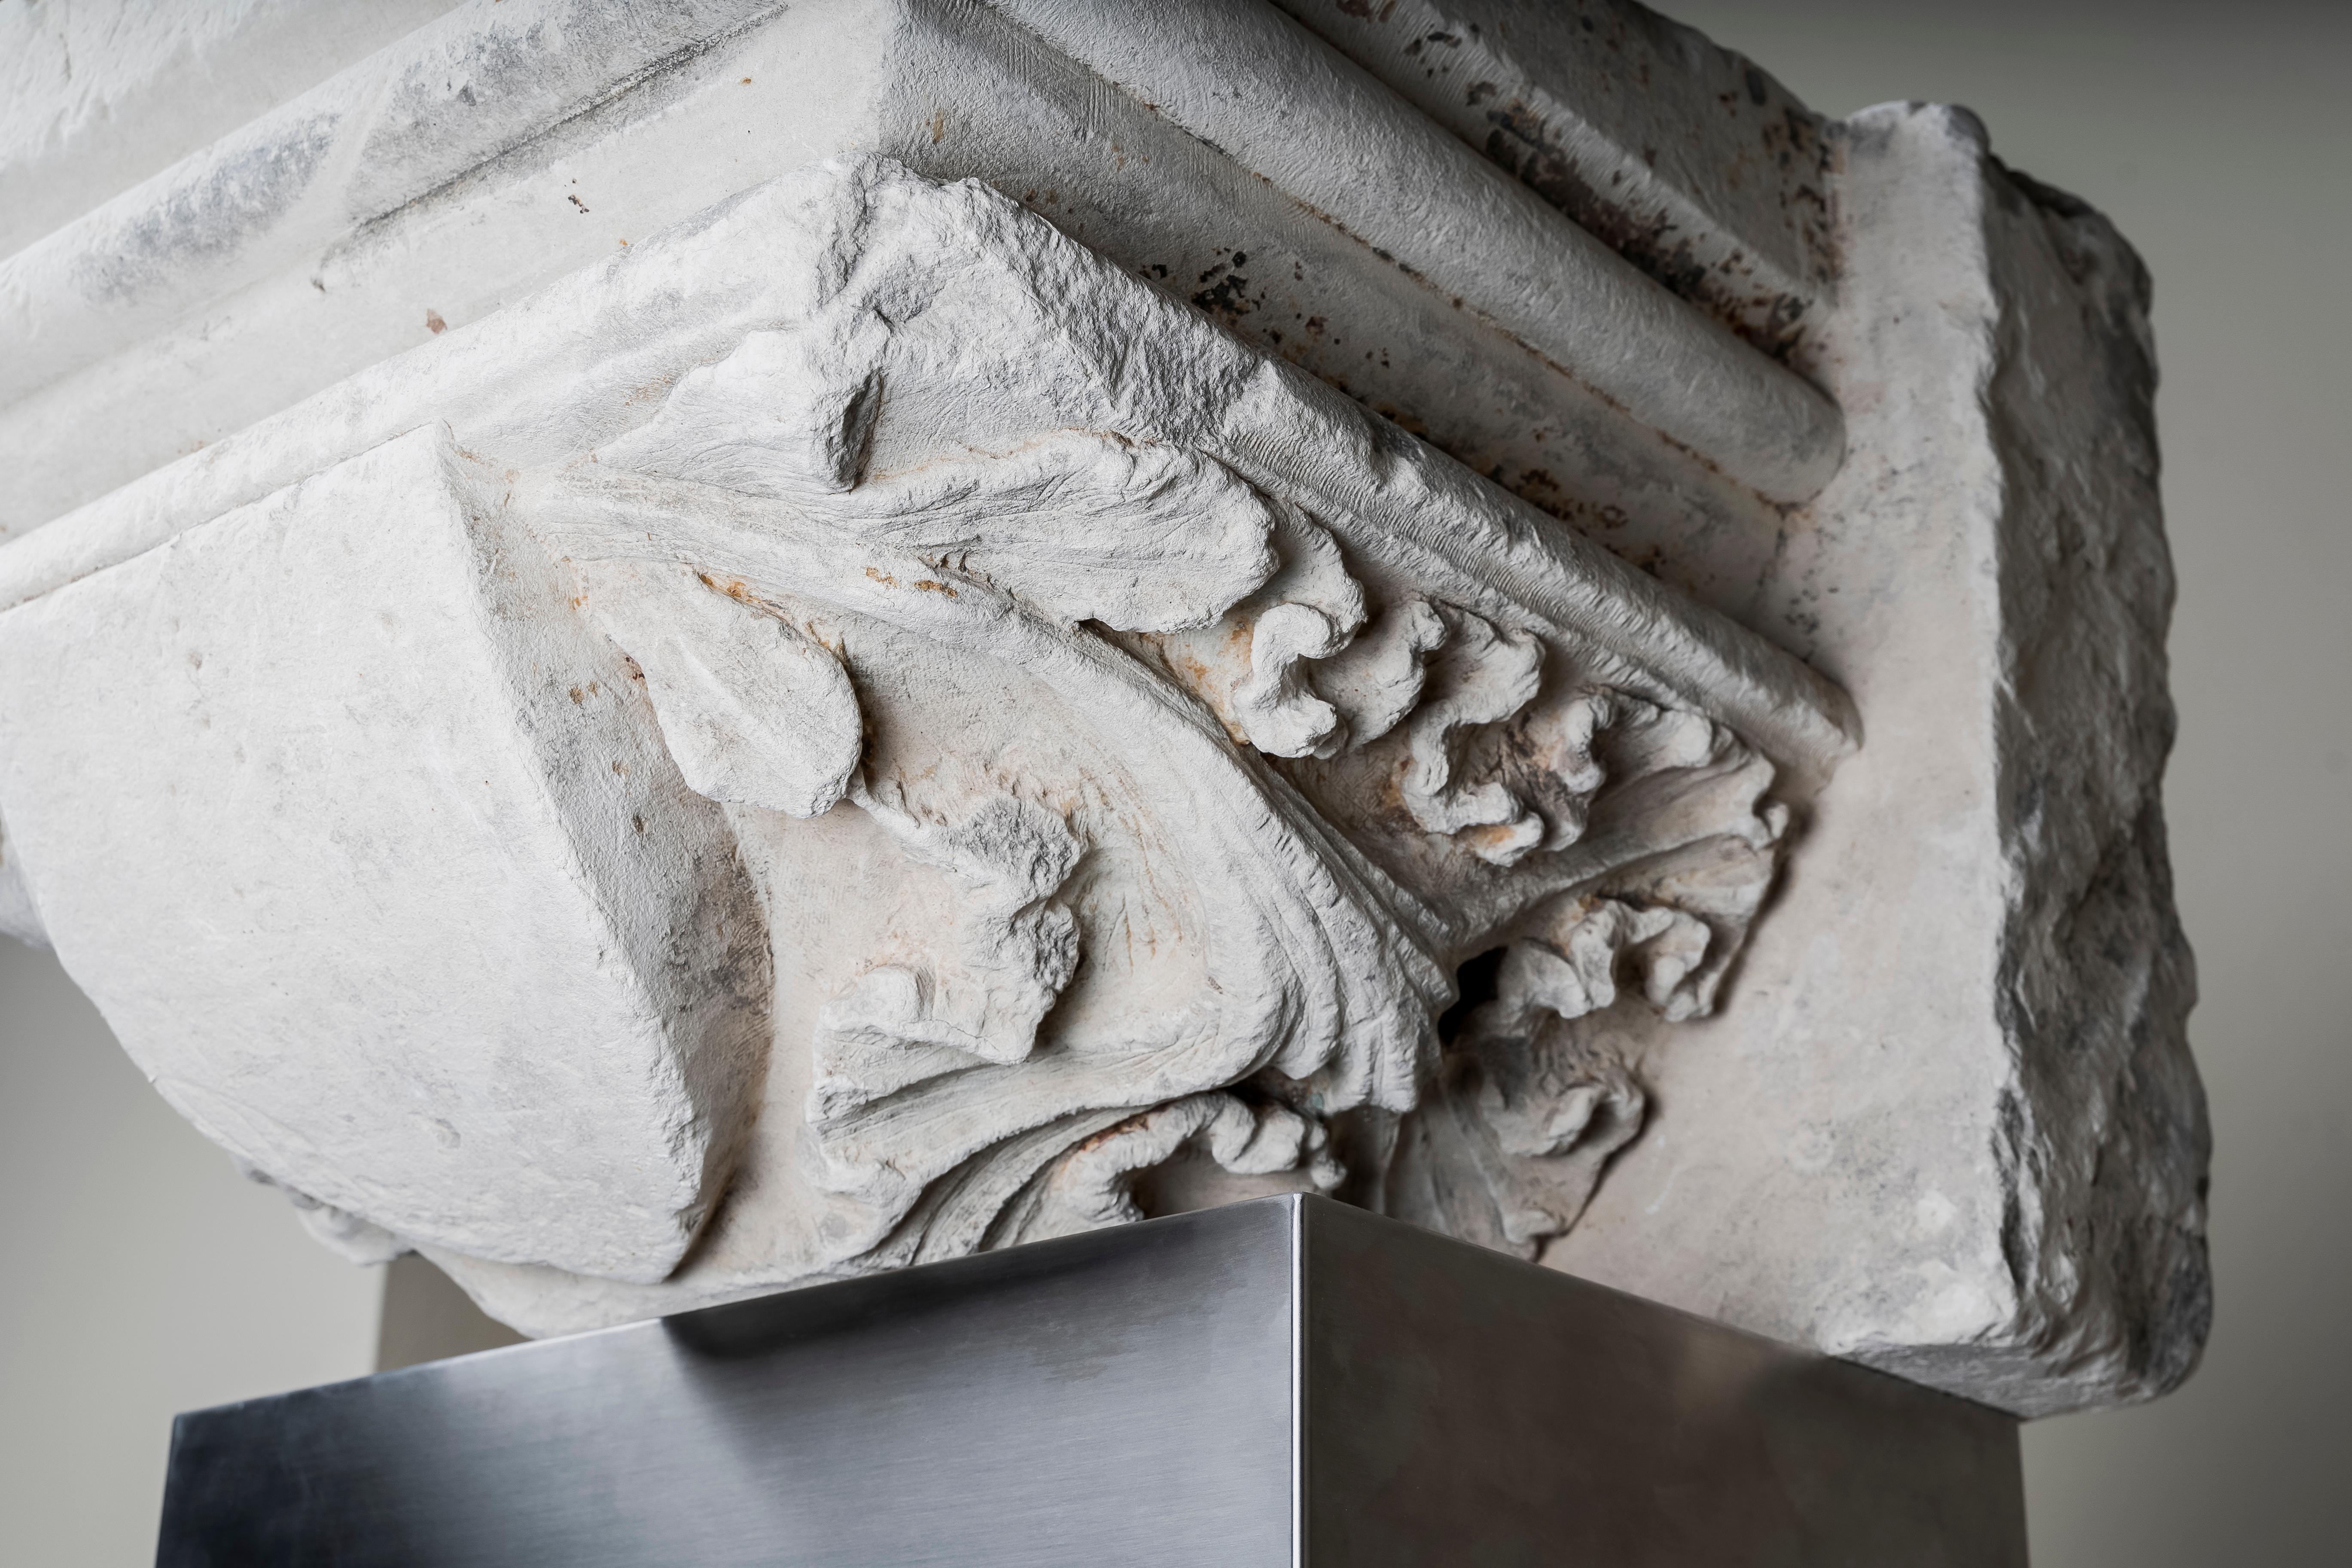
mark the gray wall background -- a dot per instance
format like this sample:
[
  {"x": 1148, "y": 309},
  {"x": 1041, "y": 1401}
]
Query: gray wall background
[
  {"x": 139, "y": 1276},
  {"x": 143, "y": 1276}
]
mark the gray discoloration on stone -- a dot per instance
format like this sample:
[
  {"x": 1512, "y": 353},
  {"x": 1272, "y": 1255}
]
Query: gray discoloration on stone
[
  {"x": 494, "y": 946},
  {"x": 209, "y": 216},
  {"x": 1693, "y": 164},
  {"x": 1230, "y": 72},
  {"x": 96, "y": 97}
]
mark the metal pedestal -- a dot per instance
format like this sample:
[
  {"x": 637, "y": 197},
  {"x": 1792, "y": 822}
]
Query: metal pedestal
[{"x": 1285, "y": 1382}]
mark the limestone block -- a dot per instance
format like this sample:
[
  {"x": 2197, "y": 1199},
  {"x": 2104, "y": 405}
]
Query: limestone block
[
  {"x": 1165, "y": 601},
  {"x": 1687, "y": 159},
  {"x": 369, "y": 235},
  {"x": 1949, "y": 1123},
  {"x": 367, "y": 858},
  {"x": 1127, "y": 736}
]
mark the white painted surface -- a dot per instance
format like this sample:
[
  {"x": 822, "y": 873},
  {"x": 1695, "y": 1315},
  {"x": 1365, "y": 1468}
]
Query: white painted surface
[{"x": 1243, "y": 78}]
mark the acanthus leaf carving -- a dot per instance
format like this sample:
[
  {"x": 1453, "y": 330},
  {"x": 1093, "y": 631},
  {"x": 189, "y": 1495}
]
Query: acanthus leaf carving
[
  {"x": 1576, "y": 968},
  {"x": 1378, "y": 678},
  {"x": 1085, "y": 524},
  {"x": 1480, "y": 675},
  {"x": 1125, "y": 739},
  {"x": 1092, "y": 1185},
  {"x": 858, "y": 726},
  {"x": 1533, "y": 1099},
  {"x": 754, "y": 712},
  {"x": 1016, "y": 949},
  {"x": 955, "y": 1070},
  {"x": 1342, "y": 999}
]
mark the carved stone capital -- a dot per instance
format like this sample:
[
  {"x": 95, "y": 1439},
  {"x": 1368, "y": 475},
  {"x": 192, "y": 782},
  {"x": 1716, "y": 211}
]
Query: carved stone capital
[
  {"x": 668, "y": 654},
  {"x": 988, "y": 743}
]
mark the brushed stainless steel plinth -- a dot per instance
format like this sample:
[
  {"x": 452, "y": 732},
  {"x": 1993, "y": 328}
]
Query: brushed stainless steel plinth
[{"x": 1285, "y": 1381}]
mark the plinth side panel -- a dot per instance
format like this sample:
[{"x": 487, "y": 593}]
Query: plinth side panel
[
  {"x": 1152, "y": 1395},
  {"x": 1122, "y": 1398},
  {"x": 1464, "y": 1408}
]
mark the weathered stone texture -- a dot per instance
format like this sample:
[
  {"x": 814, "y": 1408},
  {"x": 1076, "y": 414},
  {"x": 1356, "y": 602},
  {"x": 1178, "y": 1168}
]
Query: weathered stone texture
[
  {"x": 832, "y": 635},
  {"x": 1961, "y": 1137},
  {"x": 355, "y": 842}
]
